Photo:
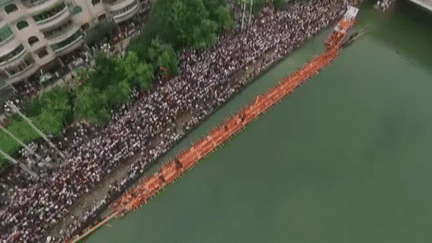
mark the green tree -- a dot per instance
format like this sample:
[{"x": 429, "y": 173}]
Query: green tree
[
  {"x": 118, "y": 94},
  {"x": 144, "y": 75},
  {"x": 212, "y": 5},
  {"x": 158, "y": 27},
  {"x": 81, "y": 80},
  {"x": 49, "y": 121},
  {"x": 162, "y": 55},
  {"x": 92, "y": 105},
  {"x": 137, "y": 73},
  {"x": 223, "y": 17},
  {"x": 190, "y": 21},
  {"x": 33, "y": 107},
  {"x": 105, "y": 72},
  {"x": 219, "y": 13},
  {"x": 128, "y": 65},
  {"x": 55, "y": 109},
  {"x": 182, "y": 23}
]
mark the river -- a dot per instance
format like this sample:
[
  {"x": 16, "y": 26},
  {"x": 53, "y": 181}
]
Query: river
[{"x": 346, "y": 158}]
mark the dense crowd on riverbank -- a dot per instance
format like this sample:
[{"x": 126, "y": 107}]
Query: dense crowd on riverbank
[{"x": 203, "y": 84}]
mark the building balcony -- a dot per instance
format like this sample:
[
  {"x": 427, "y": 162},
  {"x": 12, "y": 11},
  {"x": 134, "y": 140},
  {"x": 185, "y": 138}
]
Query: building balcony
[
  {"x": 125, "y": 13},
  {"x": 64, "y": 17},
  {"x": 69, "y": 44},
  {"x": 63, "y": 29},
  {"x": 20, "y": 69},
  {"x": 51, "y": 14},
  {"x": 69, "y": 33},
  {"x": 39, "y": 4},
  {"x": 17, "y": 53},
  {"x": 23, "y": 74},
  {"x": 113, "y": 5},
  {"x": 41, "y": 61}
]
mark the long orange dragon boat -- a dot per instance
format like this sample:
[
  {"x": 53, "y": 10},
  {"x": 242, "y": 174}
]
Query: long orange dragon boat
[{"x": 187, "y": 159}]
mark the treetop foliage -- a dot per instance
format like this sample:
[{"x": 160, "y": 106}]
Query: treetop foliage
[
  {"x": 183, "y": 24},
  {"x": 51, "y": 110},
  {"x": 162, "y": 55}
]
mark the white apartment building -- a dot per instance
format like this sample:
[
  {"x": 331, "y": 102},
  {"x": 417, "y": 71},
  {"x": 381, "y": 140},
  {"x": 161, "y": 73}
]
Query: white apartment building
[{"x": 35, "y": 33}]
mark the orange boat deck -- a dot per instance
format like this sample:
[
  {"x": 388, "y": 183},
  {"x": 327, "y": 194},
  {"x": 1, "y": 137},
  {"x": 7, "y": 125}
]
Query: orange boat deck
[
  {"x": 170, "y": 171},
  {"x": 188, "y": 158}
]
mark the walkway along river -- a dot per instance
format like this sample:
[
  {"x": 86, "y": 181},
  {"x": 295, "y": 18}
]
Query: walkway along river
[{"x": 171, "y": 171}]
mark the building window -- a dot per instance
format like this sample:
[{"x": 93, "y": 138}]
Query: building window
[
  {"x": 125, "y": 9},
  {"x": 28, "y": 60},
  {"x": 42, "y": 53},
  {"x": 58, "y": 30},
  {"x": 32, "y": 3},
  {"x": 102, "y": 17},
  {"x": 12, "y": 54},
  {"x": 94, "y": 2},
  {"x": 66, "y": 42},
  {"x": 11, "y": 71},
  {"x": 5, "y": 33},
  {"x": 85, "y": 26},
  {"x": 22, "y": 24},
  {"x": 76, "y": 9},
  {"x": 21, "y": 66},
  {"x": 50, "y": 13},
  {"x": 10, "y": 8},
  {"x": 32, "y": 40}
]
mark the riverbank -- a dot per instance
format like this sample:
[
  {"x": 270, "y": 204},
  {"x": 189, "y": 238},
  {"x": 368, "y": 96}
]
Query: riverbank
[
  {"x": 219, "y": 135},
  {"x": 322, "y": 166},
  {"x": 139, "y": 125},
  {"x": 264, "y": 63}
]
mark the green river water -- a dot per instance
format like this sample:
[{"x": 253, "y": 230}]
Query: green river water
[{"x": 346, "y": 158}]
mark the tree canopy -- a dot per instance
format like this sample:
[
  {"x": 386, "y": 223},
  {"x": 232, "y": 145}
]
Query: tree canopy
[
  {"x": 223, "y": 17},
  {"x": 92, "y": 105},
  {"x": 189, "y": 19},
  {"x": 105, "y": 72},
  {"x": 162, "y": 55},
  {"x": 52, "y": 110},
  {"x": 136, "y": 73},
  {"x": 183, "y": 23},
  {"x": 219, "y": 13}
]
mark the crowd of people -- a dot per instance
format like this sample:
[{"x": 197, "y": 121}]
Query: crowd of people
[{"x": 205, "y": 81}]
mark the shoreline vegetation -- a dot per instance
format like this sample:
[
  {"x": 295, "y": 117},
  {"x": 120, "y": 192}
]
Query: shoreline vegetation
[{"x": 241, "y": 79}]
